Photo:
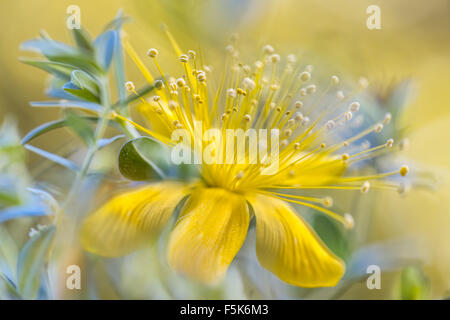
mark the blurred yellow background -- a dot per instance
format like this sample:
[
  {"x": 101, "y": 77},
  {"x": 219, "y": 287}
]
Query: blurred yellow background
[{"x": 413, "y": 42}]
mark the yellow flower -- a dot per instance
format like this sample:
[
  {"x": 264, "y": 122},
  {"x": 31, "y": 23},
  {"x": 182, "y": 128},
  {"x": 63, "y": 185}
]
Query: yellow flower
[{"x": 214, "y": 220}]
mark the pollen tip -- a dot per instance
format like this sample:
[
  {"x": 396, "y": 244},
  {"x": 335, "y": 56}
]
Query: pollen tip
[
  {"x": 404, "y": 170},
  {"x": 335, "y": 80},
  {"x": 268, "y": 49},
  {"x": 349, "y": 222},
  {"x": 389, "y": 143},
  {"x": 354, "y": 106},
  {"x": 158, "y": 84},
  {"x": 365, "y": 187},
  {"x": 129, "y": 85},
  {"x": 152, "y": 53},
  {"x": 387, "y": 118},
  {"x": 328, "y": 202},
  {"x": 305, "y": 76},
  {"x": 363, "y": 83},
  {"x": 183, "y": 58},
  {"x": 379, "y": 127}
]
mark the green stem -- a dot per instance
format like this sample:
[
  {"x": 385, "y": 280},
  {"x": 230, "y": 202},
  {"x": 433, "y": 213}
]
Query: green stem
[{"x": 99, "y": 132}]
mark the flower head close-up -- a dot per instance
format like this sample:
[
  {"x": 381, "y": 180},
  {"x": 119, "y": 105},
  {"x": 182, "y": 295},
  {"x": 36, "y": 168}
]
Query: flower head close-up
[{"x": 261, "y": 132}]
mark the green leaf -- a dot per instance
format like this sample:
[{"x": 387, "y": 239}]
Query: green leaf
[
  {"x": 59, "y": 70},
  {"x": 23, "y": 211},
  {"x": 107, "y": 141},
  {"x": 49, "y": 126},
  {"x": 118, "y": 21},
  {"x": 84, "y": 81},
  {"x": 83, "y": 39},
  {"x": 89, "y": 106},
  {"x": 53, "y": 157},
  {"x": 142, "y": 159},
  {"x": 9, "y": 288},
  {"x": 104, "y": 48},
  {"x": 46, "y": 127},
  {"x": 119, "y": 71},
  {"x": 412, "y": 284},
  {"x": 81, "y": 127},
  {"x": 8, "y": 198},
  {"x": 32, "y": 259},
  {"x": 8, "y": 253},
  {"x": 332, "y": 234},
  {"x": 80, "y": 93},
  {"x": 49, "y": 48}
]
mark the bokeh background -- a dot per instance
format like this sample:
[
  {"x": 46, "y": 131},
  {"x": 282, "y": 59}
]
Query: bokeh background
[{"x": 413, "y": 44}]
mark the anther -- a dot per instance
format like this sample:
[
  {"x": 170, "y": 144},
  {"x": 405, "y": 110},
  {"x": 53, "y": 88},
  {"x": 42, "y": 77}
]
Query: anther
[
  {"x": 298, "y": 104},
  {"x": 348, "y": 116},
  {"x": 305, "y": 76},
  {"x": 152, "y": 53},
  {"x": 354, "y": 106},
  {"x": 365, "y": 187},
  {"x": 363, "y": 83},
  {"x": 379, "y": 127},
  {"x": 268, "y": 49},
  {"x": 259, "y": 65},
  {"x": 241, "y": 92},
  {"x": 201, "y": 76},
  {"x": 291, "y": 58},
  {"x": 191, "y": 54},
  {"x": 389, "y": 143},
  {"x": 340, "y": 95},
  {"x": 311, "y": 89},
  {"x": 158, "y": 84},
  {"x": 327, "y": 202},
  {"x": 387, "y": 118},
  {"x": 335, "y": 80},
  {"x": 231, "y": 93},
  {"x": 249, "y": 83},
  {"x": 349, "y": 222},
  {"x": 275, "y": 58},
  {"x": 180, "y": 82},
  {"x": 404, "y": 170},
  {"x": 130, "y": 86},
  {"x": 330, "y": 124},
  {"x": 184, "y": 58}
]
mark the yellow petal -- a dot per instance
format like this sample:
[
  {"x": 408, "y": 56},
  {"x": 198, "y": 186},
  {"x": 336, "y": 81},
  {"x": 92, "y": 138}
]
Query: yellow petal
[
  {"x": 130, "y": 220},
  {"x": 211, "y": 230},
  {"x": 289, "y": 248}
]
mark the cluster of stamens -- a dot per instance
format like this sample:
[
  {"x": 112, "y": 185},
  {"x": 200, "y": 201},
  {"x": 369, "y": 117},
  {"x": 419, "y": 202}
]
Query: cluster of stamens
[{"x": 270, "y": 94}]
